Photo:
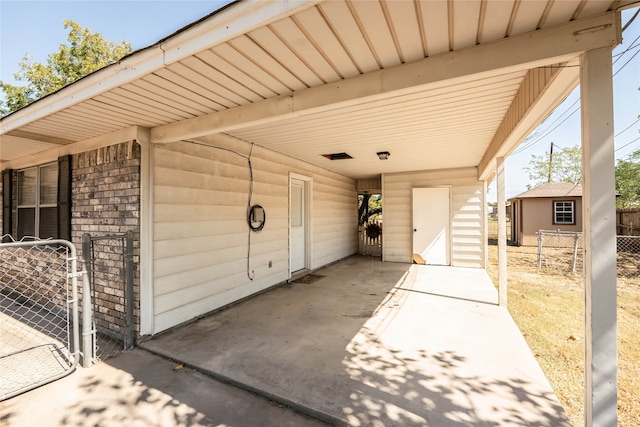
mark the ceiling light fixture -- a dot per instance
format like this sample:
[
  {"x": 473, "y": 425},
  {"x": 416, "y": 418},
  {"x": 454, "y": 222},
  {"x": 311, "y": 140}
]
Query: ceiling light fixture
[{"x": 383, "y": 155}]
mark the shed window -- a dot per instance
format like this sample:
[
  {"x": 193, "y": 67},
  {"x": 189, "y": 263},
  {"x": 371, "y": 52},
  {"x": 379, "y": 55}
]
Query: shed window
[{"x": 564, "y": 212}]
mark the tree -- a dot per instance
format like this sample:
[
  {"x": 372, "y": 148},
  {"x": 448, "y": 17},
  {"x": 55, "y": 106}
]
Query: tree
[
  {"x": 563, "y": 165},
  {"x": 84, "y": 53},
  {"x": 369, "y": 205},
  {"x": 628, "y": 181}
]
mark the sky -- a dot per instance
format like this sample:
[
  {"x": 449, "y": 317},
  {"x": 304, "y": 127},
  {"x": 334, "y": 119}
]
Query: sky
[
  {"x": 36, "y": 28},
  {"x": 562, "y": 127}
]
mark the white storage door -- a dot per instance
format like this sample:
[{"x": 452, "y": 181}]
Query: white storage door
[{"x": 432, "y": 224}]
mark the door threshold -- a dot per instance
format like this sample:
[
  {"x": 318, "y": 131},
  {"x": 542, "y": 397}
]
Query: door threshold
[{"x": 299, "y": 273}]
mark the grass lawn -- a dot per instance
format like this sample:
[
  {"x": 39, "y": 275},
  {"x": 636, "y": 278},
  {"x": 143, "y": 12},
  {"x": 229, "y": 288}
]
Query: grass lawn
[{"x": 548, "y": 307}]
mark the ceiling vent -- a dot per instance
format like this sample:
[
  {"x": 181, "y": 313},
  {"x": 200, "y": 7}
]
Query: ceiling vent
[{"x": 337, "y": 156}]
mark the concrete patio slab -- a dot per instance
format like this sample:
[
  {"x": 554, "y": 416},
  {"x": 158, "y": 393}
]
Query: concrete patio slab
[
  {"x": 139, "y": 389},
  {"x": 377, "y": 344}
]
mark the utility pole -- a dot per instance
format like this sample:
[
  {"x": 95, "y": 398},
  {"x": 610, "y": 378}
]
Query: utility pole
[{"x": 550, "y": 162}]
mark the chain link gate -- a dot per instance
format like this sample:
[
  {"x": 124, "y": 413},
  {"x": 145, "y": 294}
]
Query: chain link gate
[
  {"x": 563, "y": 251},
  {"x": 560, "y": 250},
  {"x": 38, "y": 314},
  {"x": 109, "y": 264}
]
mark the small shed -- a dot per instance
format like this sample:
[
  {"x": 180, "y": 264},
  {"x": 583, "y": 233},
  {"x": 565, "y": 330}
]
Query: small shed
[{"x": 550, "y": 206}]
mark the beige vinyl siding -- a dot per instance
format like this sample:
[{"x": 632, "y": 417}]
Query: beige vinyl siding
[
  {"x": 200, "y": 231},
  {"x": 371, "y": 186},
  {"x": 468, "y": 240},
  {"x": 335, "y": 219}
]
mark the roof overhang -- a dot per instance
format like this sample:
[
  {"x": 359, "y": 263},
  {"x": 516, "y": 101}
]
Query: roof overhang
[{"x": 437, "y": 84}]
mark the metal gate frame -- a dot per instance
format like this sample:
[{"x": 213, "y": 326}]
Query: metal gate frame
[
  {"x": 89, "y": 260},
  {"x": 24, "y": 302}
]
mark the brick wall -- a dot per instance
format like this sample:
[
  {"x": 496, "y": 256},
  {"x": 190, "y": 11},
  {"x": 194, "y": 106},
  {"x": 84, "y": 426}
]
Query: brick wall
[
  {"x": 106, "y": 202},
  {"x": 35, "y": 276}
]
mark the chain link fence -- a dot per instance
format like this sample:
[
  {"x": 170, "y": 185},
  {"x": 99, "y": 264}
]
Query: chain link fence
[
  {"x": 628, "y": 256},
  {"x": 109, "y": 263},
  {"x": 563, "y": 251},
  {"x": 42, "y": 308},
  {"x": 492, "y": 230},
  {"x": 38, "y": 314}
]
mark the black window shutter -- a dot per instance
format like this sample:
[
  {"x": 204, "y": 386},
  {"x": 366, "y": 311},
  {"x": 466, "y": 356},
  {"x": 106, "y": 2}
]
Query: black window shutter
[
  {"x": 64, "y": 198},
  {"x": 7, "y": 192}
]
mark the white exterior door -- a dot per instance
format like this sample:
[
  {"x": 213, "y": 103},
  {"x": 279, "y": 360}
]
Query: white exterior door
[
  {"x": 431, "y": 224},
  {"x": 298, "y": 232}
]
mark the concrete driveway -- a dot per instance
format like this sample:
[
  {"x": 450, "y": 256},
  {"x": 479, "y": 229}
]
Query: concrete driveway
[{"x": 376, "y": 344}]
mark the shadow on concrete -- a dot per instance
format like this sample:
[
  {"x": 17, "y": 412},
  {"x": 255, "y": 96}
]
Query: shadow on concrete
[
  {"x": 370, "y": 344},
  {"x": 390, "y": 389},
  {"x": 376, "y": 343},
  {"x": 137, "y": 388},
  {"x": 35, "y": 344}
]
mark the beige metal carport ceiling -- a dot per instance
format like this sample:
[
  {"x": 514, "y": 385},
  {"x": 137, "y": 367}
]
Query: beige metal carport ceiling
[{"x": 439, "y": 84}]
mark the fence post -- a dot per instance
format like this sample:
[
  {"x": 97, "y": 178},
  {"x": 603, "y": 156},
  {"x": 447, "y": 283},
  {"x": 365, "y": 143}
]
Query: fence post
[
  {"x": 129, "y": 331},
  {"x": 87, "y": 318},
  {"x": 575, "y": 250},
  {"x": 540, "y": 237},
  {"x": 74, "y": 298}
]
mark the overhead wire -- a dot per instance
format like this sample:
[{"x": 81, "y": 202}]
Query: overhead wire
[
  {"x": 635, "y": 15},
  {"x": 633, "y": 46},
  {"x": 628, "y": 144},
  {"x": 627, "y": 128},
  {"x": 625, "y": 64},
  {"x": 548, "y": 131},
  {"x": 623, "y": 131}
]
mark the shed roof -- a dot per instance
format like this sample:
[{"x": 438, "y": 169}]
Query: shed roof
[
  {"x": 552, "y": 189},
  {"x": 438, "y": 84}
]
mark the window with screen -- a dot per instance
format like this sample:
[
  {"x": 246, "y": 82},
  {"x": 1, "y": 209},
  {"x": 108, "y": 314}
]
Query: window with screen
[
  {"x": 38, "y": 201},
  {"x": 563, "y": 212}
]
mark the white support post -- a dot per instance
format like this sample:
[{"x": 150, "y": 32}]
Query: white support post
[
  {"x": 502, "y": 233},
  {"x": 146, "y": 233},
  {"x": 599, "y": 213}
]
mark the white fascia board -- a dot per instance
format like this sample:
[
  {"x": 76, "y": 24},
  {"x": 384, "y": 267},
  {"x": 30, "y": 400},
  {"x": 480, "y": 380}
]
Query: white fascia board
[
  {"x": 542, "y": 47},
  {"x": 226, "y": 25},
  {"x": 107, "y": 78},
  {"x": 234, "y": 21}
]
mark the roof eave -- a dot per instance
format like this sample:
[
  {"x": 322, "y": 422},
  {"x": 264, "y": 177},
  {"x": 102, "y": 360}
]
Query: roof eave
[{"x": 222, "y": 25}]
